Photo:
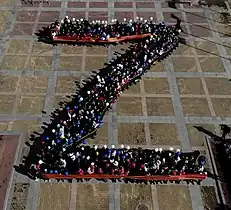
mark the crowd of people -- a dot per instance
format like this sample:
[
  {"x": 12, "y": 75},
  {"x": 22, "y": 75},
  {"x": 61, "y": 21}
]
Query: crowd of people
[
  {"x": 101, "y": 90},
  {"x": 103, "y": 30},
  {"x": 124, "y": 161},
  {"x": 56, "y": 150}
]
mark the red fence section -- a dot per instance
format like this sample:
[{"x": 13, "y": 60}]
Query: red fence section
[
  {"x": 146, "y": 178},
  {"x": 88, "y": 39}
]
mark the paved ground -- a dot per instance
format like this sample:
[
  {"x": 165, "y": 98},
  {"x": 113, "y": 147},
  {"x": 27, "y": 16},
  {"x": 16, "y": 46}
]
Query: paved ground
[{"x": 189, "y": 88}]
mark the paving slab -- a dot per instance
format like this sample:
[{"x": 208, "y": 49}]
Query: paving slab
[
  {"x": 8, "y": 83},
  {"x": 156, "y": 85},
  {"x": 135, "y": 197},
  {"x": 95, "y": 63},
  {"x": 184, "y": 64},
  {"x": 66, "y": 84},
  {"x": 159, "y": 107},
  {"x": 17, "y": 47},
  {"x": 131, "y": 134},
  {"x": 54, "y": 196},
  {"x": 163, "y": 134},
  {"x": 197, "y": 107},
  {"x": 70, "y": 63},
  {"x": 209, "y": 197},
  {"x": 129, "y": 106},
  {"x": 92, "y": 197},
  {"x": 33, "y": 84},
  {"x": 209, "y": 64},
  {"x": 12, "y": 62},
  {"x": 31, "y": 104},
  {"x": 221, "y": 106},
  {"x": 173, "y": 197},
  {"x": 190, "y": 86},
  {"x": 218, "y": 86}
]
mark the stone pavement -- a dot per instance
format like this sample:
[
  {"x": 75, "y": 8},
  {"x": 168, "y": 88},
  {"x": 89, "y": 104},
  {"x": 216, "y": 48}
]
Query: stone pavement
[{"x": 189, "y": 88}]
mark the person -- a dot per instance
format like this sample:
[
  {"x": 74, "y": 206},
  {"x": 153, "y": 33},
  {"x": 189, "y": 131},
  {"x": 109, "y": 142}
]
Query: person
[{"x": 225, "y": 130}]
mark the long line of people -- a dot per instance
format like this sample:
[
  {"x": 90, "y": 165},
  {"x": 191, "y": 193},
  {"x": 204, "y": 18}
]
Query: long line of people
[
  {"x": 84, "y": 114},
  {"x": 124, "y": 161},
  {"x": 101, "y": 29}
]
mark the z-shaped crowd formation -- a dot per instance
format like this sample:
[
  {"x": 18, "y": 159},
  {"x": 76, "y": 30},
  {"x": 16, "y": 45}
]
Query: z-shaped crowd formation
[{"x": 57, "y": 150}]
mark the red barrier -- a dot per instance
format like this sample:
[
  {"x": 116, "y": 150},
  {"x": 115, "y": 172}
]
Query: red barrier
[
  {"x": 88, "y": 39},
  {"x": 146, "y": 178}
]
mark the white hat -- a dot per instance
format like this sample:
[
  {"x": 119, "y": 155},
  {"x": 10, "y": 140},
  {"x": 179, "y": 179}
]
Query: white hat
[
  {"x": 67, "y": 17},
  {"x": 92, "y": 163},
  {"x": 105, "y": 146},
  {"x": 88, "y": 92},
  {"x": 53, "y": 130},
  {"x": 81, "y": 19},
  {"x": 62, "y": 21},
  {"x": 73, "y": 19},
  {"x": 112, "y": 146},
  {"x": 81, "y": 99},
  {"x": 177, "y": 150},
  {"x": 125, "y": 19},
  {"x": 160, "y": 149},
  {"x": 122, "y": 146},
  {"x": 156, "y": 149},
  {"x": 128, "y": 147},
  {"x": 107, "y": 104},
  {"x": 40, "y": 162},
  {"x": 88, "y": 157},
  {"x": 82, "y": 148},
  {"x": 171, "y": 148},
  {"x": 95, "y": 147}
]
